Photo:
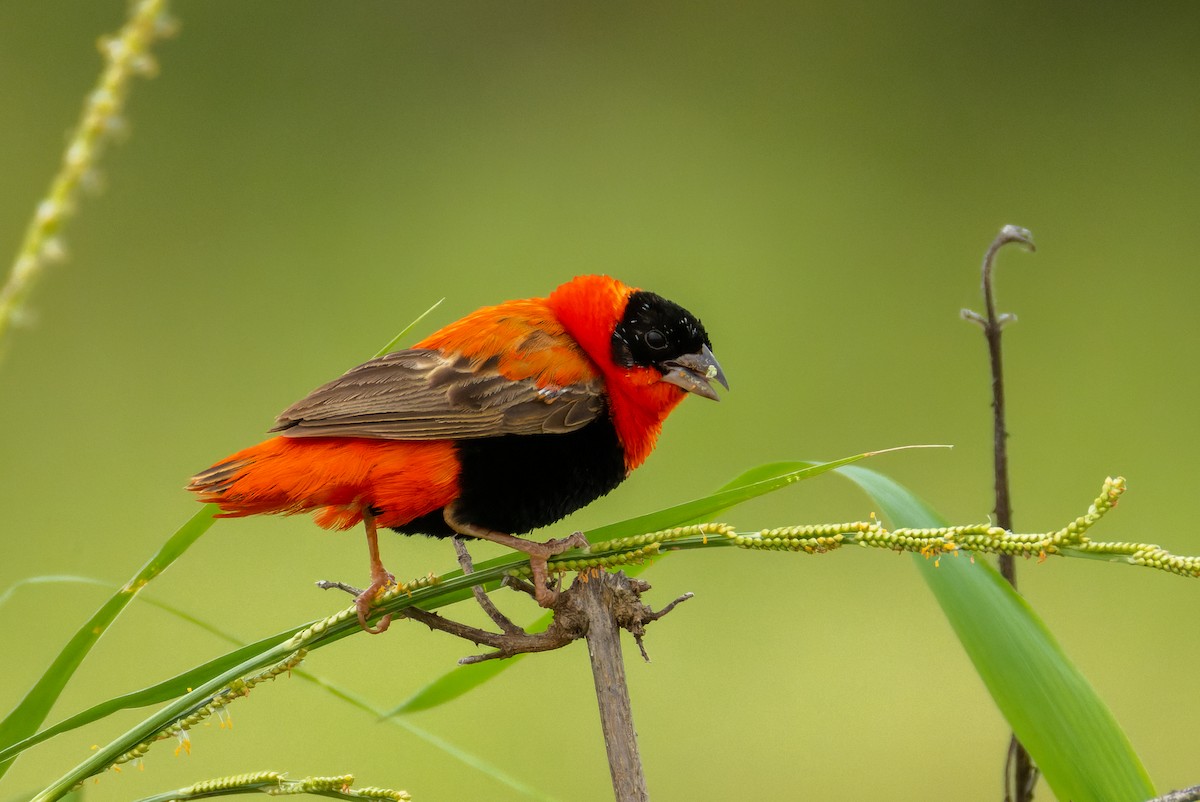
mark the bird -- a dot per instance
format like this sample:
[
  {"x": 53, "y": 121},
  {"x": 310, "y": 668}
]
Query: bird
[{"x": 500, "y": 423}]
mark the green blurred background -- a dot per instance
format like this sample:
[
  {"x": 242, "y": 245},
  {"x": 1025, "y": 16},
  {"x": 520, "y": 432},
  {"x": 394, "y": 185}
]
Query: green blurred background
[{"x": 818, "y": 182}]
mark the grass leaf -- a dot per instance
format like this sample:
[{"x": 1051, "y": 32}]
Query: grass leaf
[
  {"x": 154, "y": 694},
  {"x": 32, "y": 710},
  {"x": 1071, "y": 734},
  {"x": 394, "y": 343},
  {"x": 750, "y": 484},
  {"x": 176, "y": 687}
]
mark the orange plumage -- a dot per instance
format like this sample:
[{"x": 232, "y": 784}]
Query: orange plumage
[
  {"x": 501, "y": 422},
  {"x": 335, "y": 477}
]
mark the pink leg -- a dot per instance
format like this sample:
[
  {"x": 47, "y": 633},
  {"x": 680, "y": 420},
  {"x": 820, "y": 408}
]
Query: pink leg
[
  {"x": 538, "y": 553},
  {"x": 380, "y": 580}
]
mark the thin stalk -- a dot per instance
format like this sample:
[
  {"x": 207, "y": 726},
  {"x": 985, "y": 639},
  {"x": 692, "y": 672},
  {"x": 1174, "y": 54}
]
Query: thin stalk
[
  {"x": 126, "y": 54},
  {"x": 1184, "y": 795},
  {"x": 1020, "y": 775}
]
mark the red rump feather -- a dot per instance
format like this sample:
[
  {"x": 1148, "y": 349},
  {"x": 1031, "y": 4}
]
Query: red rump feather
[{"x": 335, "y": 477}]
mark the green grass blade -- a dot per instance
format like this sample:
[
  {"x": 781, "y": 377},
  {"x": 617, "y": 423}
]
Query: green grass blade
[
  {"x": 315, "y": 635},
  {"x": 32, "y": 710},
  {"x": 189, "y": 689},
  {"x": 154, "y": 694},
  {"x": 178, "y": 685},
  {"x": 455, "y": 751},
  {"x": 51, "y": 579},
  {"x": 462, "y": 679},
  {"x": 750, "y": 484},
  {"x": 1070, "y": 732},
  {"x": 189, "y": 685},
  {"x": 394, "y": 343}
]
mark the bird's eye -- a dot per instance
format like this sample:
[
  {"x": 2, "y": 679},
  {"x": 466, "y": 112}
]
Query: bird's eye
[{"x": 656, "y": 339}]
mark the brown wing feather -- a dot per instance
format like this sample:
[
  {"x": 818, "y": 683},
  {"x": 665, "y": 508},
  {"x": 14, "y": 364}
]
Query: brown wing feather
[{"x": 422, "y": 394}]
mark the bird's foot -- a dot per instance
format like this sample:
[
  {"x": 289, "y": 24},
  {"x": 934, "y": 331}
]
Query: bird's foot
[
  {"x": 539, "y": 553},
  {"x": 364, "y": 600},
  {"x": 544, "y": 592},
  {"x": 555, "y": 546}
]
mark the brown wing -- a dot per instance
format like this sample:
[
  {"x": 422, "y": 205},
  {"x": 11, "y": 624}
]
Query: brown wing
[{"x": 422, "y": 394}]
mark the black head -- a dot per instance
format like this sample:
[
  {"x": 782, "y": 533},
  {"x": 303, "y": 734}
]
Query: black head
[{"x": 661, "y": 334}]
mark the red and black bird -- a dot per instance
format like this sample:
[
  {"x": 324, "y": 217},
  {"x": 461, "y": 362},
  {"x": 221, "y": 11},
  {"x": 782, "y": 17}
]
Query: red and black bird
[{"x": 502, "y": 422}]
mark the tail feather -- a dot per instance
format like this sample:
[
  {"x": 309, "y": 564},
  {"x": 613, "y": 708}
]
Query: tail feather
[{"x": 211, "y": 484}]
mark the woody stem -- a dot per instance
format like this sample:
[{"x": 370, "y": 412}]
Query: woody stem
[{"x": 612, "y": 692}]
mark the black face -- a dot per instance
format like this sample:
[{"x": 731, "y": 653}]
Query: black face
[{"x": 654, "y": 330}]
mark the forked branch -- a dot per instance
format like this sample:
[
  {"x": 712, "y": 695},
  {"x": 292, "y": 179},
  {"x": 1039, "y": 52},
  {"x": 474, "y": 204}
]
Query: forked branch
[
  {"x": 573, "y": 619},
  {"x": 596, "y": 607}
]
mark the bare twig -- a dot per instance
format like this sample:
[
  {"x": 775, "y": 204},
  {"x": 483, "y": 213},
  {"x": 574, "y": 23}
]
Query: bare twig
[
  {"x": 1183, "y": 795},
  {"x": 993, "y": 324},
  {"x": 329, "y": 584},
  {"x": 518, "y": 584},
  {"x": 498, "y": 618},
  {"x": 506, "y": 644},
  {"x": 1020, "y": 775},
  {"x": 640, "y": 631}
]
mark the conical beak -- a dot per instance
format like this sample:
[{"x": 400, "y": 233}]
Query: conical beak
[{"x": 695, "y": 372}]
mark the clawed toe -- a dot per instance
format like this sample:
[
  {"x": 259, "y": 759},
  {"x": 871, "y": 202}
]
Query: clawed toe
[
  {"x": 363, "y": 603},
  {"x": 556, "y": 546}
]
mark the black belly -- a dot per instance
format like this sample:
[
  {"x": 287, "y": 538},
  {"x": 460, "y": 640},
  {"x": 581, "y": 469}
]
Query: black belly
[{"x": 516, "y": 483}]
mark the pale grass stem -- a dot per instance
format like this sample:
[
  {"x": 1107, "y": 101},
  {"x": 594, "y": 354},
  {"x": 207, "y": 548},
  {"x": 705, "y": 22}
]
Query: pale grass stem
[{"x": 125, "y": 55}]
